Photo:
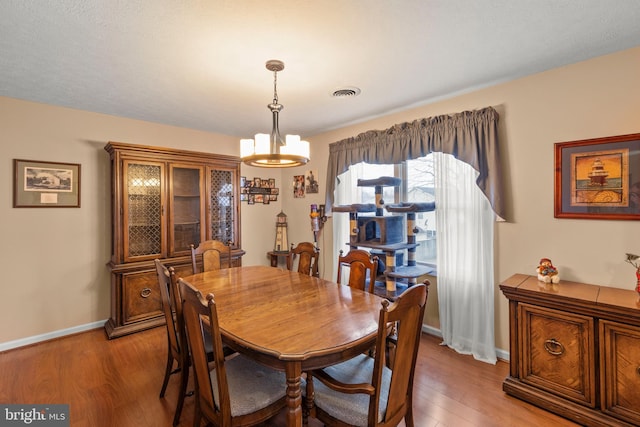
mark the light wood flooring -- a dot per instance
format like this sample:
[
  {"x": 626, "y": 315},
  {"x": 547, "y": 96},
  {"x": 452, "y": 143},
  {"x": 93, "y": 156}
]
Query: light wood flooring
[{"x": 116, "y": 383}]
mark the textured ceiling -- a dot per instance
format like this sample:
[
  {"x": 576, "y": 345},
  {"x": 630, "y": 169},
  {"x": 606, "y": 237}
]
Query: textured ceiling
[{"x": 201, "y": 64}]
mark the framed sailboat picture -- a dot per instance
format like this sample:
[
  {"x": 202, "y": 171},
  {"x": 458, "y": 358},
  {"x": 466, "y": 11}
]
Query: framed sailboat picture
[{"x": 598, "y": 178}]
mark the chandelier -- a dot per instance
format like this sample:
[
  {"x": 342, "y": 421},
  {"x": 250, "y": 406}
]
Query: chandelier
[{"x": 270, "y": 151}]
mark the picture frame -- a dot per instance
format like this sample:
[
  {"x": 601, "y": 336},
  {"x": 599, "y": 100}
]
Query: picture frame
[
  {"x": 258, "y": 190},
  {"x": 45, "y": 184},
  {"x": 598, "y": 178},
  {"x": 311, "y": 180}
]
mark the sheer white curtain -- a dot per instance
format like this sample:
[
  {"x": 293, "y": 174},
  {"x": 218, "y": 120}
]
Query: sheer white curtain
[
  {"x": 464, "y": 223},
  {"x": 345, "y": 195}
]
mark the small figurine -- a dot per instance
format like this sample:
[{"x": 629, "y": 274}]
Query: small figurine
[{"x": 547, "y": 273}]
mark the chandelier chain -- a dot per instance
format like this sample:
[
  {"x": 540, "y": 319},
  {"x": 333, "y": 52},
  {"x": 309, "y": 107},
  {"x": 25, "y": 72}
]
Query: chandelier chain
[{"x": 275, "y": 87}]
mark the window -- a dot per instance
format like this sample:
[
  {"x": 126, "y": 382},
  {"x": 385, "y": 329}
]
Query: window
[{"x": 418, "y": 185}]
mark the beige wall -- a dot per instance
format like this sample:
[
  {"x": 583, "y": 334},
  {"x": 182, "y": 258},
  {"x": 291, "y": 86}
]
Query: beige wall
[{"x": 54, "y": 259}]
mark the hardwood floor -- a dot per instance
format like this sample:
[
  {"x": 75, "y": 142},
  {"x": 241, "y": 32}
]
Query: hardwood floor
[{"x": 117, "y": 383}]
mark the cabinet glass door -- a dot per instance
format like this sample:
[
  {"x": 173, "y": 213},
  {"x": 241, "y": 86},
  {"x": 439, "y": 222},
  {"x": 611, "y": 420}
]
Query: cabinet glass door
[
  {"x": 142, "y": 216},
  {"x": 187, "y": 215},
  {"x": 222, "y": 206}
]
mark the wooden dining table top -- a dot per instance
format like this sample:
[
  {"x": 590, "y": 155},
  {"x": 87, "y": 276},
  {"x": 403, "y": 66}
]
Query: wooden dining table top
[
  {"x": 288, "y": 315},
  {"x": 290, "y": 321}
]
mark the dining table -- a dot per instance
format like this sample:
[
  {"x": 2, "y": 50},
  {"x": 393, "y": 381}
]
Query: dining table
[{"x": 290, "y": 321}]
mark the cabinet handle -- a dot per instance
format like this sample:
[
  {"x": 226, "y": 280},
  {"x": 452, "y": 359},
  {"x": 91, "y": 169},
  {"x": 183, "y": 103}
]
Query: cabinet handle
[
  {"x": 638, "y": 370},
  {"x": 553, "y": 347},
  {"x": 146, "y": 293}
]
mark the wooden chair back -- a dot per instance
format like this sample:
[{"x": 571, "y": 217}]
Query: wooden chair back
[
  {"x": 212, "y": 253},
  {"x": 362, "y": 269},
  {"x": 407, "y": 314},
  {"x": 307, "y": 256},
  {"x": 165, "y": 276},
  {"x": 178, "y": 349},
  {"x": 213, "y": 376},
  {"x": 194, "y": 306}
]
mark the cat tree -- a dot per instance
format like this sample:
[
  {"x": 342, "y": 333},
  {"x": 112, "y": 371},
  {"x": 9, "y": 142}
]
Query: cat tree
[{"x": 384, "y": 235}]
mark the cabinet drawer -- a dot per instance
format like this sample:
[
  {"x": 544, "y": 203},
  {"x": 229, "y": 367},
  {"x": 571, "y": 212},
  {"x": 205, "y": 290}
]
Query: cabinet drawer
[
  {"x": 141, "y": 296},
  {"x": 557, "y": 351},
  {"x": 620, "y": 370}
]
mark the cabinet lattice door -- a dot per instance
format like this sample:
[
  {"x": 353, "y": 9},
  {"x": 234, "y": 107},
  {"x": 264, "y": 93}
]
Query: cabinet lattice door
[
  {"x": 222, "y": 206},
  {"x": 143, "y": 208}
]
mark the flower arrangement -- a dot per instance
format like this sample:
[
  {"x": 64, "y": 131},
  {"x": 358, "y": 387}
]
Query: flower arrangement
[{"x": 633, "y": 260}]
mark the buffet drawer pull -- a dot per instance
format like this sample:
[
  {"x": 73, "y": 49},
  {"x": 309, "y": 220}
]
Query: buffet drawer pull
[
  {"x": 553, "y": 347},
  {"x": 146, "y": 293}
]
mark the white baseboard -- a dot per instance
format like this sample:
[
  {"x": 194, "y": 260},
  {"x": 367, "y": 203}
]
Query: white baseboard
[
  {"x": 502, "y": 354},
  {"x": 50, "y": 335}
]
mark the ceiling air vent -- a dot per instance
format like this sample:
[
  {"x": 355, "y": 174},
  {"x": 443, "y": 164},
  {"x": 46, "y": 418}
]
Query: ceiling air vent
[{"x": 346, "y": 92}]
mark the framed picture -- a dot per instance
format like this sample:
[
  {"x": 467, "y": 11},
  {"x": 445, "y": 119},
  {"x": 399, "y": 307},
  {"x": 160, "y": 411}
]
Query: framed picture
[
  {"x": 257, "y": 182},
  {"x": 598, "y": 178},
  {"x": 298, "y": 186},
  {"x": 45, "y": 184},
  {"x": 311, "y": 181}
]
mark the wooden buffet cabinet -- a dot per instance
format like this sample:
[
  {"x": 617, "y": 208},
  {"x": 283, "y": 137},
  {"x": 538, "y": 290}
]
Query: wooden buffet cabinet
[
  {"x": 575, "y": 350},
  {"x": 163, "y": 200}
]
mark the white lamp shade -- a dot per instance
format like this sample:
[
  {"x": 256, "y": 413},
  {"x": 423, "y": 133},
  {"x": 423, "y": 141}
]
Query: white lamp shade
[
  {"x": 295, "y": 146},
  {"x": 262, "y": 143},
  {"x": 246, "y": 147}
]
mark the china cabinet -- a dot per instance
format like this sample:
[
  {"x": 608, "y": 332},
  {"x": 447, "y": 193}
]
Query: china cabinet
[
  {"x": 163, "y": 200},
  {"x": 575, "y": 349}
]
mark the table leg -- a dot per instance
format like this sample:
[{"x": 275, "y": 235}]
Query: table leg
[
  {"x": 293, "y": 371},
  {"x": 274, "y": 260}
]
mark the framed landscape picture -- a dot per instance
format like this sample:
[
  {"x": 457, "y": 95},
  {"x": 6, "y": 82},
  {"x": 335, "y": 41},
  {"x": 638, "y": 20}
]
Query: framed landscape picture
[
  {"x": 598, "y": 178},
  {"x": 45, "y": 184}
]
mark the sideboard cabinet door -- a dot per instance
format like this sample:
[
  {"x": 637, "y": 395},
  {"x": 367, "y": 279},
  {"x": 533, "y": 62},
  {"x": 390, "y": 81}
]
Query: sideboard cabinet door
[
  {"x": 620, "y": 370},
  {"x": 557, "y": 350}
]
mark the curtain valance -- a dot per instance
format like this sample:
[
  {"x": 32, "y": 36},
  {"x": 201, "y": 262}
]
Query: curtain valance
[{"x": 470, "y": 136}]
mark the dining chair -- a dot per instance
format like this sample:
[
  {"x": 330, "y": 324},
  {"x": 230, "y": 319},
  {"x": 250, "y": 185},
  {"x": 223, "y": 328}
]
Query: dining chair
[
  {"x": 212, "y": 253},
  {"x": 233, "y": 391},
  {"x": 362, "y": 269},
  {"x": 177, "y": 353},
  {"x": 364, "y": 391},
  {"x": 308, "y": 256}
]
